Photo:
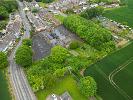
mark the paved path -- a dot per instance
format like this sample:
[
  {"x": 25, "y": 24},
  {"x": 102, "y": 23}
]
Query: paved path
[{"x": 20, "y": 85}]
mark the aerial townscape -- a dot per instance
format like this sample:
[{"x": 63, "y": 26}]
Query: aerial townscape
[{"x": 66, "y": 49}]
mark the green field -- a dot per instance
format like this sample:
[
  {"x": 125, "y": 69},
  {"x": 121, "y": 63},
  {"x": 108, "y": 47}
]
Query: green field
[
  {"x": 4, "y": 93},
  {"x": 123, "y": 15},
  {"x": 113, "y": 75},
  {"x": 67, "y": 84}
]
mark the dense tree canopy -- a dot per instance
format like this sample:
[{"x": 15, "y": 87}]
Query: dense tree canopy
[
  {"x": 23, "y": 56},
  {"x": 45, "y": 72},
  {"x": 88, "y": 86},
  {"x": 59, "y": 54},
  {"x": 3, "y": 60},
  {"x": 92, "y": 33},
  {"x": 3, "y": 13},
  {"x": 6, "y": 7}
]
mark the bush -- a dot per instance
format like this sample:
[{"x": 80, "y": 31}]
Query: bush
[
  {"x": 69, "y": 11},
  {"x": 3, "y": 60},
  {"x": 92, "y": 12},
  {"x": 27, "y": 42},
  {"x": 3, "y": 24},
  {"x": 23, "y": 56},
  {"x": 74, "y": 45},
  {"x": 34, "y": 10}
]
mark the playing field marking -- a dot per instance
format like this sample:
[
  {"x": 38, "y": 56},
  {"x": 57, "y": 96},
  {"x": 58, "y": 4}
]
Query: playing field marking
[{"x": 117, "y": 70}]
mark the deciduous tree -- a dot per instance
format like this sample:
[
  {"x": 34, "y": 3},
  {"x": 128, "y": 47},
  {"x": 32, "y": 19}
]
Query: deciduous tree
[{"x": 88, "y": 86}]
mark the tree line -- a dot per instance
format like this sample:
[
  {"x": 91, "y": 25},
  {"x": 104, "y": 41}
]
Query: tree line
[{"x": 96, "y": 36}]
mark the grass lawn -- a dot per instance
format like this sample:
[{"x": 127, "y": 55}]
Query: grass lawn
[
  {"x": 4, "y": 93},
  {"x": 123, "y": 15},
  {"x": 67, "y": 84},
  {"x": 102, "y": 69}
]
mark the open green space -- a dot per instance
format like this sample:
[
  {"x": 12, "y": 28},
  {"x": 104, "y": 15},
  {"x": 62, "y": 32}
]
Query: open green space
[
  {"x": 4, "y": 93},
  {"x": 67, "y": 84},
  {"x": 101, "y": 70},
  {"x": 123, "y": 14},
  {"x": 125, "y": 74}
]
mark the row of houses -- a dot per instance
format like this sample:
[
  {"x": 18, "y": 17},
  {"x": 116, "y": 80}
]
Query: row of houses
[
  {"x": 37, "y": 23},
  {"x": 11, "y": 33},
  {"x": 63, "y": 5}
]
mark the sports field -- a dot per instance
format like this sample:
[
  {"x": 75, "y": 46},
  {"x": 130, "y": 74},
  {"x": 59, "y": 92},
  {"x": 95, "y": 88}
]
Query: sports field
[
  {"x": 123, "y": 14},
  {"x": 114, "y": 75}
]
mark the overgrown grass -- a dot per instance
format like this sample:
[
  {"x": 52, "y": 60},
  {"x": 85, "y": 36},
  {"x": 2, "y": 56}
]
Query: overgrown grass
[
  {"x": 60, "y": 18},
  {"x": 101, "y": 70},
  {"x": 123, "y": 14},
  {"x": 67, "y": 84}
]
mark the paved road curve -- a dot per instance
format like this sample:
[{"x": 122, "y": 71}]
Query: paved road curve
[{"x": 21, "y": 88}]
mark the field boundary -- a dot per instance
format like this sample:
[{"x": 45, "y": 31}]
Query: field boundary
[
  {"x": 112, "y": 75},
  {"x": 116, "y": 71}
]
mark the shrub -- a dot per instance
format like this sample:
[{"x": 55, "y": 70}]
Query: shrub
[
  {"x": 69, "y": 11},
  {"x": 74, "y": 45},
  {"x": 3, "y": 24},
  {"x": 92, "y": 12},
  {"x": 34, "y": 10},
  {"x": 27, "y": 42}
]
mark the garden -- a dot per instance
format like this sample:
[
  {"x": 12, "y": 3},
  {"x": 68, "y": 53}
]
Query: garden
[{"x": 66, "y": 84}]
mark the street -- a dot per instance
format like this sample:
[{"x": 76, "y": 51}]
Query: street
[{"x": 21, "y": 87}]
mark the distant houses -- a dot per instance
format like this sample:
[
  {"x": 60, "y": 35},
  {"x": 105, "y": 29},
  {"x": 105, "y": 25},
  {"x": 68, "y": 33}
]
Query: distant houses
[
  {"x": 64, "y": 96},
  {"x": 8, "y": 36}
]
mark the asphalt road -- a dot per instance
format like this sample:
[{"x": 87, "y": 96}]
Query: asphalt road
[{"x": 20, "y": 85}]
